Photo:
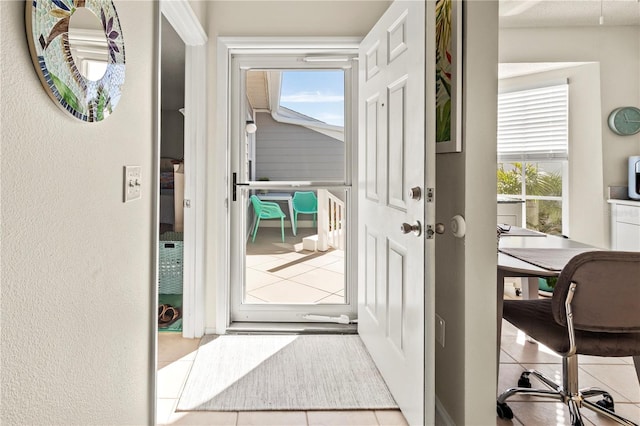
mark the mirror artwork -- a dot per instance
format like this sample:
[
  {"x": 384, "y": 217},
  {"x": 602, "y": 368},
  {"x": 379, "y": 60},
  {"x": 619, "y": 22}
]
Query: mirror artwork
[{"x": 78, "y": 51}]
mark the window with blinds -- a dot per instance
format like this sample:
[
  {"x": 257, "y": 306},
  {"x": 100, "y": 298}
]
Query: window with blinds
[{"x": 533, "y": 124}]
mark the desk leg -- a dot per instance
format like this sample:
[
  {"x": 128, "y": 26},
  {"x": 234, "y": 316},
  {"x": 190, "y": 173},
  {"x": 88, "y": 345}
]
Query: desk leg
[
  {"x": 293, "y": 225},
  {"x": 529, "y": 288},
  {"x": 499, "y": 308}
]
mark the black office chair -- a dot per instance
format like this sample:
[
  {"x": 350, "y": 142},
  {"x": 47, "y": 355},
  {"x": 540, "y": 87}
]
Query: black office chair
[{"x": 594, "y": 310}]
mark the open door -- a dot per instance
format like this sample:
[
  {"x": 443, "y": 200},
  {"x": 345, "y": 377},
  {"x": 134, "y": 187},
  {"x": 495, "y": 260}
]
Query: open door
[{"x": 395, "y": 166}]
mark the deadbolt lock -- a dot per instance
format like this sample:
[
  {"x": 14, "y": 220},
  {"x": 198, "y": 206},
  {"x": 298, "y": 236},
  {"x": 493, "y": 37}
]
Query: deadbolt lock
[{"x": 415, "y": 193}]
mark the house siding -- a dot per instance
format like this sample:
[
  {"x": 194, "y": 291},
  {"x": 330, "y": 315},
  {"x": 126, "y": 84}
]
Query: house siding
[{"x": 291, "y": 152}]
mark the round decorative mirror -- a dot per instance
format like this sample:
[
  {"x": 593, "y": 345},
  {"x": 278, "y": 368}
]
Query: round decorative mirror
[{"x": 78, "y": 52}]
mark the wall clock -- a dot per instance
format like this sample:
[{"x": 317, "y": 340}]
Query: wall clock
[
  {"x": 78, "y": 52},
  {"x": 625, "y": 121}
]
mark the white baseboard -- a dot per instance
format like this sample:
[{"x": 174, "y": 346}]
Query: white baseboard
[{"x": 442, "y": 414}]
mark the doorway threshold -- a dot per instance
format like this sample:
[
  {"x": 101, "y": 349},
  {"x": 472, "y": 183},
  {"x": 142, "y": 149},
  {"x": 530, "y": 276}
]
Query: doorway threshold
[{"x": 291, "y": 328}]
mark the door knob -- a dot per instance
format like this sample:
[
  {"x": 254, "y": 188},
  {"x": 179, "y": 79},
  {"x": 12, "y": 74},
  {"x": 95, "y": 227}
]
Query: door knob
[
  {"x": 416, "y": 228},
  {"x": 440, "y": 228}
]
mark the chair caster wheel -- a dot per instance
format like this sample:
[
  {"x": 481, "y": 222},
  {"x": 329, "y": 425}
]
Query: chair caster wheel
[
  {"x": 524, "y": 382},
  {"x": 503, "y": 410},
  {"x": 606, "y": 402}
]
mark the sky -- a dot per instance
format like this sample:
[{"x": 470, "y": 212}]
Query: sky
[{"x": 318, "y": 94}]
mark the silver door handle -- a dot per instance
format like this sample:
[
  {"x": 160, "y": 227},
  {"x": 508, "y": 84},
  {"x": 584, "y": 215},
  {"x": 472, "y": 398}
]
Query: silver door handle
[{"x": 416, "y": 228}]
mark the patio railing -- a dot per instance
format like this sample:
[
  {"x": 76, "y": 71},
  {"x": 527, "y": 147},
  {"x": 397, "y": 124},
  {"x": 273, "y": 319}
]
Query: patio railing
[{"x": 331, "y": 215}]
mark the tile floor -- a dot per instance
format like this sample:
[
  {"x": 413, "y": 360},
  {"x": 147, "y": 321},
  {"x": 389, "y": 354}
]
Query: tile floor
[{"x": 278, "y": 272}]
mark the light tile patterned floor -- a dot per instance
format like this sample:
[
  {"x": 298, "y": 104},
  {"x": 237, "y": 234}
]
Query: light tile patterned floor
[{"x": 278, "y": 272}]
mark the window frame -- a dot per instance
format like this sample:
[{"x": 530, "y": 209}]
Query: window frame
[{"x": 558, "y": 154}]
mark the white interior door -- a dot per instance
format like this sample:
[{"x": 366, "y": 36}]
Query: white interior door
[{"x": 393, "y": 270}]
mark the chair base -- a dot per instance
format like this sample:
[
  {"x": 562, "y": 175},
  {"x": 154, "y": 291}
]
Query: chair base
[{"x": 574, "y": 400}]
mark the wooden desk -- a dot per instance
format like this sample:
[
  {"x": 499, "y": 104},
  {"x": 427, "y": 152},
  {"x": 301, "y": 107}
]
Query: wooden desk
[{"x": 509, "y": 266}]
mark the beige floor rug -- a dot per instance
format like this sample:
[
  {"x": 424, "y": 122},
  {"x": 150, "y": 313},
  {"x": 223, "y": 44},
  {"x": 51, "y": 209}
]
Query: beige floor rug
[{"x": 284, "y": 372}]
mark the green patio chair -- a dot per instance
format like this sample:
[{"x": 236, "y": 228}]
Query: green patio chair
[
  {"x": 305, "y": 203},
  {"x": 266, "y": 210}
]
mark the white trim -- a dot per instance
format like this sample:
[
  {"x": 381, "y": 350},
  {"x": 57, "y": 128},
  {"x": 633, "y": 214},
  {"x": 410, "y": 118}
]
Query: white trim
[
  {"x": 195, "y": 178},
  {"x": 184, "y": 20},
  {"x": 221, "y": 182},
  {"x": 155, "y": 221},
  {"x": 248, "y": 45},
  {"x": 180, "y": 15}
]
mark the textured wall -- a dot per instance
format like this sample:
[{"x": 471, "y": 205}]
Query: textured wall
[
  {"x": 587, "y": 224},
  {"x": 76, "y": 261}
]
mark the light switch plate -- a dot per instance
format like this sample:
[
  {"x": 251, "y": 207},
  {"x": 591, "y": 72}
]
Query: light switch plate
[{"x": 132, "y": 183}]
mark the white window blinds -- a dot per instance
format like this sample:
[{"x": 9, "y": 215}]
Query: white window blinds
[{"x": 533, "y": 124}]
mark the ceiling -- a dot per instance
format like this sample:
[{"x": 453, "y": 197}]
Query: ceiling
[
  {"x": 513, "y": 14},
  {"x": 564, "y": 13}
]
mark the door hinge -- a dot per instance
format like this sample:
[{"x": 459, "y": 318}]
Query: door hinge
[{"x": 430, "y": 194}]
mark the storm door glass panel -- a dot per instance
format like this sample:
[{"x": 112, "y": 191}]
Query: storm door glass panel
[
  {"x": 296, "y": 222},
  {"x": 308, "y": 267}
]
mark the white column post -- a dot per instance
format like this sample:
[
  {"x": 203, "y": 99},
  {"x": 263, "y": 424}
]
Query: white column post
[{"x": 323, "y": 220}]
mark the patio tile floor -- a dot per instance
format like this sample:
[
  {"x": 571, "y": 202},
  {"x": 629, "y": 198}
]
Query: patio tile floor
[{"x": 278, "y": 272}]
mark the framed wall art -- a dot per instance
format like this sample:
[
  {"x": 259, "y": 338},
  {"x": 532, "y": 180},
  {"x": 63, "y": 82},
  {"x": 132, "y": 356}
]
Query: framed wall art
[{"x": 448, "y": 76}]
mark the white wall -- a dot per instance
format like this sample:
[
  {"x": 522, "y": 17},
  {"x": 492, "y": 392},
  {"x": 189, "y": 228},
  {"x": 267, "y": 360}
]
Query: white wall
[
  {"x": 76, "y": 268},
  {"x": 617, "y": 49},
  {"x": 466, "y": 268},
  {"x": 585, "y": 147},
  {"x": 264, "y": 18}
]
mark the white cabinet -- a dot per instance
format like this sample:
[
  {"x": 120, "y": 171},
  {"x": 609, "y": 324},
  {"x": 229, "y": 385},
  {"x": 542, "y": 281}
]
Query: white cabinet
[
  {"x": 625, "y": 225},
  {"x": 510, "y": 211}
]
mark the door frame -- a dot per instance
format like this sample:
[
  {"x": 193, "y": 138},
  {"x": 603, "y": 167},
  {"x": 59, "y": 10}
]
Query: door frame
[
  {"x": 226, "y": 46},
  {"x": 185, "y": 22}
]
